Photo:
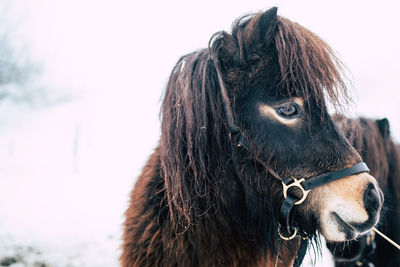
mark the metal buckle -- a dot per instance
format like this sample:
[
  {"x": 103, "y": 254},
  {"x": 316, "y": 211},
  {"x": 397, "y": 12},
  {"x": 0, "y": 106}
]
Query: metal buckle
[
  {"x": 287, "y": 237},
  {"x": 296, "y": 183}
]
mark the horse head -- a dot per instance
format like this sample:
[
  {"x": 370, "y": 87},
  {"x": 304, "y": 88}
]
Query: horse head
[{"x": 277, "y": 78}]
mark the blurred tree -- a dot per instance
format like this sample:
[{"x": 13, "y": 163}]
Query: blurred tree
[{"x": 19, "y": 74}]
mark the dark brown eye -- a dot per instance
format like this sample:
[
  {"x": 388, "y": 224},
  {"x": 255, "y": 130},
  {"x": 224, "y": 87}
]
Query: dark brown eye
[{"x": 288, "y": 110}]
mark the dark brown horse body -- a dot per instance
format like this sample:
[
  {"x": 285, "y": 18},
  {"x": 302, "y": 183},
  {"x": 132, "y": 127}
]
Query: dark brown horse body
[
  {"x": 203, "y": 199},
  {"x": 372, "y": 140}
]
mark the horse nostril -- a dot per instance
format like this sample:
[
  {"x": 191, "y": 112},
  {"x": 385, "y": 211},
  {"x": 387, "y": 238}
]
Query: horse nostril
[{"x": 372, "y": 199}]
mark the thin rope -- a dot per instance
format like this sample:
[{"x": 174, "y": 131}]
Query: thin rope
[{"x": 387, "y": 238}]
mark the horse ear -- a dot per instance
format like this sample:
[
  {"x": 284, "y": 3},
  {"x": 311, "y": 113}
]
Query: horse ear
[
  {"x": 267, "y": 25},
  {"x": 384, "y": 127},
  {"x": 249, "y": 36},
  {"x": 227, "y": 50},
  {"x": 260, "y": 30}
]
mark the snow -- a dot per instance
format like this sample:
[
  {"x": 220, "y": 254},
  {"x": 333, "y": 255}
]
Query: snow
[{"x": 67, "y": 169}]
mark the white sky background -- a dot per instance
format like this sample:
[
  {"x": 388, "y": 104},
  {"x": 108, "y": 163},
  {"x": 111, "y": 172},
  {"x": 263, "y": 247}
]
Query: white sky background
[{"x": 115, "y": 57}]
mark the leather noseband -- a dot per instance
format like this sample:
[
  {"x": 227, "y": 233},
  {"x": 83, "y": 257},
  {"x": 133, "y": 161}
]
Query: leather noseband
[{"x": 305, "y": 186}]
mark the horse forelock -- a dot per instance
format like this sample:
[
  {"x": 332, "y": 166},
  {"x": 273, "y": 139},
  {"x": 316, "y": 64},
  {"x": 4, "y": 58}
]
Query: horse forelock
[{"x": 308, "y": 66}]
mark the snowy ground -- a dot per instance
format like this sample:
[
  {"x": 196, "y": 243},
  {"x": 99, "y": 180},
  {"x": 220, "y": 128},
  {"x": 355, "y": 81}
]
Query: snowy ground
[
  {"x": 60, "y": 195},
  {"x": 66, "y": 169}
]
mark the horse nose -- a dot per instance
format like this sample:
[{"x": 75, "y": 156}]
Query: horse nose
[{"x": 373, "y": 199}]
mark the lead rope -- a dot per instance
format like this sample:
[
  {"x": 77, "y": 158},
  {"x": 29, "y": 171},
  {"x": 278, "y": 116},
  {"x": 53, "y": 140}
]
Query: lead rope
[{"x": 386, "y": 238}]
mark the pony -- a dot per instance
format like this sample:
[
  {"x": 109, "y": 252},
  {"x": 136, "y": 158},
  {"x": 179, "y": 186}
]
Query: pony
[
  {"x": 238, "y": 119},
  {"x": 372, "y": 139}
]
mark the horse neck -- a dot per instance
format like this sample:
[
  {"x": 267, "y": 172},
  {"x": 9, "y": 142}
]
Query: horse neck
[
  {"x": 394, "y": 190},
  {"x": 394, "y": 170}
]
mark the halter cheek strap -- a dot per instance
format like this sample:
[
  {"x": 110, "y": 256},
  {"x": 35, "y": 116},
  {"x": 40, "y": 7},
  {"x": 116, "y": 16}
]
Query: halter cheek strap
[{"x": 305, "y": 186}]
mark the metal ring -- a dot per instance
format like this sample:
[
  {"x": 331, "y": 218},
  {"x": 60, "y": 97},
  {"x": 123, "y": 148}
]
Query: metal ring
[
  {"x": 296, "y": 183},
  {"x": 287, "y": 237}
]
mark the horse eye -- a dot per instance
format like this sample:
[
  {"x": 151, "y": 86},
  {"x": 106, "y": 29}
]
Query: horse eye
[{"x": 288, "y": 110}]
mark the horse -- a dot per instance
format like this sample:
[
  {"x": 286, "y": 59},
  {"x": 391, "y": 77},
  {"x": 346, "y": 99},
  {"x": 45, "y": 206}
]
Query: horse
[
  {"x": 372, "y": 139},
  {"x": 250, "y": 165}
]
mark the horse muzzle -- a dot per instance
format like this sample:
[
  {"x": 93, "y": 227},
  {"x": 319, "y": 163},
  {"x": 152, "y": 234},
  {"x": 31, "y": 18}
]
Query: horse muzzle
[{"x": 351, "y": 207}]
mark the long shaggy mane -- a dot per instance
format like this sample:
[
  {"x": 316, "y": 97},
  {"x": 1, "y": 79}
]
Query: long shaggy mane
[{"x": 193, "y": 137}]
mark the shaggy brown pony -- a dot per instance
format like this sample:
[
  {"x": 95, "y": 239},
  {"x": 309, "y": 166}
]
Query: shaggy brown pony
[
  {"x": 236, "y": 118},
  {"x": 373, "y": 141}
]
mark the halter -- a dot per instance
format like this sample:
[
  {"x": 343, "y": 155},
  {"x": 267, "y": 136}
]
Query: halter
[{"x": 305, "y": 185}]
